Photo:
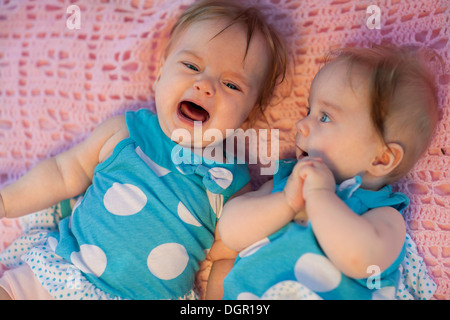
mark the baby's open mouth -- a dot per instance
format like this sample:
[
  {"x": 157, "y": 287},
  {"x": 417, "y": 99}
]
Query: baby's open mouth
[
  {"x": 301, "y": 154},
  {"x": 193, "y": 112}
]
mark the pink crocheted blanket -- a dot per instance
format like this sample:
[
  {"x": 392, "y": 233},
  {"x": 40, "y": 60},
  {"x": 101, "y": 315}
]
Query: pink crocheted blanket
[{"x": 64, "y": 69}]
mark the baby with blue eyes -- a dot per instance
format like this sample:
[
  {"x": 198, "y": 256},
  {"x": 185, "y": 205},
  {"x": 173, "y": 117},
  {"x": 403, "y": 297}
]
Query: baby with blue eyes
[{"x": 329, "y": 218}]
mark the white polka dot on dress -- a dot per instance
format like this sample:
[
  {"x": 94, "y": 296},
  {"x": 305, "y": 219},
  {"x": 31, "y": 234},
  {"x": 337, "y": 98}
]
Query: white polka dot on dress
[
  {"x": 90, "y": 259},
  {"x": 160, "y": 171},
  {"x": 124, "y": 199},
  {"x": 385, "y": 293},
  {"x": 254, "y": 247},
  {"x": 186, "y": 215},
  {"x": 247, "y": 296},
  {"x": 317, "y": 272},
  {"x": 167, "y": 261}
]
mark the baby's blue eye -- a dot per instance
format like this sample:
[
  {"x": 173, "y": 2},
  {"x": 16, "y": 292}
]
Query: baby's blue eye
[
  {"x": 325, "y": 118},
  {"x": 231, "y": 86},
  {"x": 191, "y": 66}
]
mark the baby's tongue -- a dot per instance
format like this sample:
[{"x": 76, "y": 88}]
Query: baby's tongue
[{"x": 193, "y": 112}]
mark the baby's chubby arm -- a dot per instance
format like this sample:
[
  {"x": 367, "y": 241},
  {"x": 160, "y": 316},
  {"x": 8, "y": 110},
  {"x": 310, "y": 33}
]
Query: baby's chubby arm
[
  {"x": 64, "y": 175},
  {"x": 255, "y": 215}
]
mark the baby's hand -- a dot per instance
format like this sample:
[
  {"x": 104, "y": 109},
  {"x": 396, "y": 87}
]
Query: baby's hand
[
  {"x": 293, "y": 192},
  {"x": 315, "y": 175}
]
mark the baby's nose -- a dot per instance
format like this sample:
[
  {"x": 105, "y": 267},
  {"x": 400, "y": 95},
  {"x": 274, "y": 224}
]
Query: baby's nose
[
  {"x": 205, "y": 86},
  {"x": 302, "y": 127}
]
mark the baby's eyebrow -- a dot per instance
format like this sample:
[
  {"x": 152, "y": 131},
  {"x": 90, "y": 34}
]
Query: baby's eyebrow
[
  {"x": 331, "y": 105},
  {"x": 189, "y": 53},
  {"x": 326, "y": 103}
]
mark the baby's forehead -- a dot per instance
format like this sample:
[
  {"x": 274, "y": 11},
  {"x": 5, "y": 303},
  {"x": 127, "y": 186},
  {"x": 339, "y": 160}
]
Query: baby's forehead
[
  {"x": 345, "y": 68},
  {"x": 209, "y": 29},
  {"x": 344, "y": 73}
]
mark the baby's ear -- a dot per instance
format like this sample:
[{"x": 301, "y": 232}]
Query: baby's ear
[{"x": 388, "y": 159}]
